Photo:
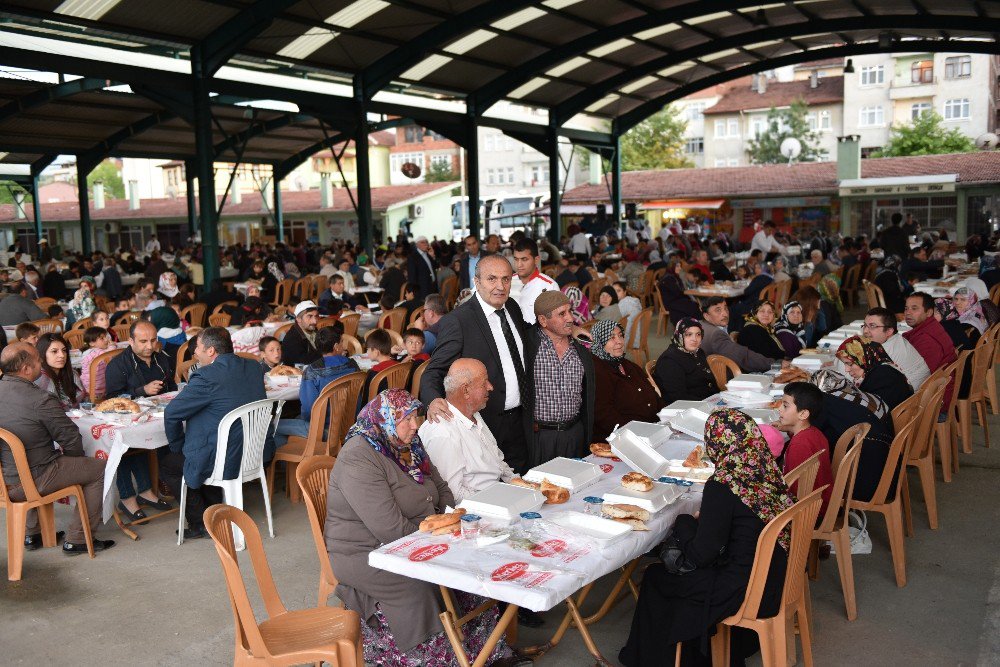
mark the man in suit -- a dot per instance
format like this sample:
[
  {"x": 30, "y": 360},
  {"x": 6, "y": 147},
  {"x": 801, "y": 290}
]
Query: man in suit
[
  {"x": 420, "y": 268},
  {"x": 488, "y": 327},
  {"x": 473, "y": 253},
  {"x": 223, "y": 383}
]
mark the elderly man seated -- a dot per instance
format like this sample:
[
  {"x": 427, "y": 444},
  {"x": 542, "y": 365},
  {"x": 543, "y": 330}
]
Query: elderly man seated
[
  {"x": 37, "y": 419},
  {"x": 463, "y": 449}
]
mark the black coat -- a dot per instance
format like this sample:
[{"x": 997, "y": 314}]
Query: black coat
[
  {"x": 683, "y": 377},
  {"x": 54, "y": 285},
  {"x": 463, "y": 275},
  {"x": 888, "y": 282},
  {"x": 887, "y": 383},
  {"x": 677, "y": 303},
  {"x": 838, "y": 415},
  {"x": 682, "y": 607},
  {"x": 894, "y": 242},
  {"x": 296, "y": 348},
  {"x": 112, "y": 283},
  {"x": 418, "y": 273},
  {"x": 756, "y": 338}
]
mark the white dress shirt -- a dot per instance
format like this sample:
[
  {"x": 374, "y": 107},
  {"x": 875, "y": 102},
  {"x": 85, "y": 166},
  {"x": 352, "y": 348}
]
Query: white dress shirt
[
  {"x": 765, "y": 243},
  {"x": 465, "y": 453},
  {"x": 512, "y": 397},
  {"x": 579, "y": 244},
  {"x": 538, "y": 283}
]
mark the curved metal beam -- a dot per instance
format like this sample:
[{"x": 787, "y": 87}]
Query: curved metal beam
[
  {"x": 381, "y": 73},
  {"x": 599, "y": 89},
  {"x": 629, "y": 120},
  {"x": 93, "y": 156},
  {"x": 257, "y": 130},
  {"x": 222, "y": 44},
  {"x": 48, "y": 94}
]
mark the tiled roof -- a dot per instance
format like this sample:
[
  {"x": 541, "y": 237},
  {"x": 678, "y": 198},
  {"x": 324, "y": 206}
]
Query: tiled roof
[
  {"x": 821, "y": 64},
  {"x": 780, "y": 94},
  {"x": 805, "y": 178},
  {"x": 292, "y": 202}
]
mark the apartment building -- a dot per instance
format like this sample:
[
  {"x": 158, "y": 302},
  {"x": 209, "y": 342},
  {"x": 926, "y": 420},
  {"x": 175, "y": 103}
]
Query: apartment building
[{"x": 692, "y": 110}]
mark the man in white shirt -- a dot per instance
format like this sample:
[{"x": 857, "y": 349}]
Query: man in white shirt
[
  {"x": 152, "y": 245},
  {"x": 463, "y": 449},
  {"x": 765, "y": 242},
  {"x": 326, "y": 267},
  {"x": 579, "y": 245},
  {"x": 534, "y": 281},
  {"x": 880, "y": 326}
]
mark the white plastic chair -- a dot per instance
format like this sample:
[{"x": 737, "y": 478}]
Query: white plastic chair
[{"x": 257, "y": 419}]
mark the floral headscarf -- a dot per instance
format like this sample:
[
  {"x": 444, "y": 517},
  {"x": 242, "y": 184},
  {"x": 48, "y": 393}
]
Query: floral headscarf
[
  {"x": 601, "y": 333},
  {"x": 272, "y": 268},
  {"x": 82, "y": 305},
  {"x": 783, "y": 325},
  {"x": 829, "y": 290},
  {"x": 945, "y": 308},
  {"x": 377, "y": 424},
  {"x": 578, "y": 304},
  {"x": 681, "y": 328},
  {"x": 974, "y": 315},
  {"x": 744, "y": 463},
  {"x": 863, "y": 352},
  {"x": 833, "y": 383}
]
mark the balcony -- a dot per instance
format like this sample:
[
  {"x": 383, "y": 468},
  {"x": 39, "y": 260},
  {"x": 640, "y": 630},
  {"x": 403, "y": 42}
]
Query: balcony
[{"x": 903, "y": 89}]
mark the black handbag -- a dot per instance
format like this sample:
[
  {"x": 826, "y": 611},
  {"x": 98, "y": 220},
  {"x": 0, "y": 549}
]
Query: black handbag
[{"x": 673, "y": 558}]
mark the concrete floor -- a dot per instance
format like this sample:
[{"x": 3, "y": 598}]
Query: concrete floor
[{"x": 150, "y": 602}]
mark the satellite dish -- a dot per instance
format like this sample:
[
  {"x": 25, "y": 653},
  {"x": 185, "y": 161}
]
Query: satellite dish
[
  {"x": 790, "y": 148},
  {"x": 410, "y": 169},
  {"x": 987, "y": 141}
]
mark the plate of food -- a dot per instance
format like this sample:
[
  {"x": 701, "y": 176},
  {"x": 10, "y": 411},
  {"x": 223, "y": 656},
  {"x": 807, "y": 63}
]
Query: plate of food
[
  {"x": 695, "y": 467},
  {"x": 640, "y": 490},
  {"x": 119, "y": 410}
]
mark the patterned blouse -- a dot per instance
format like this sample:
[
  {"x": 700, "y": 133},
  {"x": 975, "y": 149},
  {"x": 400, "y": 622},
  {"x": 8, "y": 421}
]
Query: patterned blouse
[{"x": 558, "y": 383}]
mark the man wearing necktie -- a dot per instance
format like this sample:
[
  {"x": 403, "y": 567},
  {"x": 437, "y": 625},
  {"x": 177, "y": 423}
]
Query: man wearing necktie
[{"x": 420, "y": 268}]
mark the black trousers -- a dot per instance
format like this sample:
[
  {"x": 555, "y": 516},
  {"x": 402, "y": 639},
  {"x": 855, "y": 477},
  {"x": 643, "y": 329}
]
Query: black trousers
[
  {"x": 172, "y": 472},
  {"x": 512, "y": 441}
]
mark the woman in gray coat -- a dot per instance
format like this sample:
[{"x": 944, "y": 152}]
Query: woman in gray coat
[{"x": 381, "y": 488}]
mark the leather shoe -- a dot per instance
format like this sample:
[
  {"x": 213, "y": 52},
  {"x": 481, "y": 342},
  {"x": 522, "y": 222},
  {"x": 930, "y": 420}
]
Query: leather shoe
[
  {"x": 195, "y": 533},
  {"x": 32, "y": 542},
  {"x": 529, "y": 619},
  {"x": 77, "y": 548}
]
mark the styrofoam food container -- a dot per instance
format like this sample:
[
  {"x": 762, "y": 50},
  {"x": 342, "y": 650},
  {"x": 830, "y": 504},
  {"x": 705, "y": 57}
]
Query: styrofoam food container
[
  {"x": 503, "y": 502},
  {"x": 652, "y": 435},
  {"x": 655, "y": 500},
  {"x": 604, "y": 531},
  {"x": 567, "y": 473},
  {"x": 677, "y": 407},
  {"x": 748, "y": 399},
  {"x": 762, "y": 416},
  {"x": 750, "y": 381},
  {"x": 637, "y": 454}
]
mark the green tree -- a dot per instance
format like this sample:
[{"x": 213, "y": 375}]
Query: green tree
[
  {"x": 925, "y": 136},
  {"x": 107, "y": 173},
  {"x": 440, "y": 172},
  {"x": 656, "y": 143},
  {"x": 782, "y": 124},
  {"x": 7, "y": 190}
]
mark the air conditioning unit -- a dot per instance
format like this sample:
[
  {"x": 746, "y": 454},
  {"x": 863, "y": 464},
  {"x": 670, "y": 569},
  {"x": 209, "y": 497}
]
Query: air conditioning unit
[
  {"x": 416, "y": 211},
  {"x": 111, "y": 227}
]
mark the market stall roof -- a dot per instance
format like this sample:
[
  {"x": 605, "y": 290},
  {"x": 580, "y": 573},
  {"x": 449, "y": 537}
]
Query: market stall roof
[
  {"x": 807, "y": 178},
  {"x": 710, "y": 204}
]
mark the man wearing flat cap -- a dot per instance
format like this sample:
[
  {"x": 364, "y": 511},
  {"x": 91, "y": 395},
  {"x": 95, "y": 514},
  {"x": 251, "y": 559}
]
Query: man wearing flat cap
[{"x": 560, "y": 387}]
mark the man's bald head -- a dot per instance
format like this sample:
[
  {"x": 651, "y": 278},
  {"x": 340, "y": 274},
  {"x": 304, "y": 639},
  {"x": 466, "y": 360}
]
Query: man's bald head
[
  {"x": 467, "y": 386},
  {"x": 21, "y": 360}
]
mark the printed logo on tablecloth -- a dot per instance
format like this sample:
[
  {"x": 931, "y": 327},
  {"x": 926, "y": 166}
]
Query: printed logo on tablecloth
[
  {"x": 401, "y": 547},
  {"x": 427, "y": 553},
  {"x": 548, "y": 548},
  {"x": 99, "y": 430},
  {"x": 509, "y": 571},
  {"x": 101, "y": 454},
  {"x": 607, "y": 467}
]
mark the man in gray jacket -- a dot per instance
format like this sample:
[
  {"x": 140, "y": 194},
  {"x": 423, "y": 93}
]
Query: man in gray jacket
[
  {"x": 17, "y": 308},
  {"x": 715, "y": 320},
  {"x": 38, "y": 420}
]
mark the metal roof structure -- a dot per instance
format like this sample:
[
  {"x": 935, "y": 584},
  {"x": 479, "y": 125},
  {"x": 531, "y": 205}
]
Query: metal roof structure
[{"x": 442, "y": 63}]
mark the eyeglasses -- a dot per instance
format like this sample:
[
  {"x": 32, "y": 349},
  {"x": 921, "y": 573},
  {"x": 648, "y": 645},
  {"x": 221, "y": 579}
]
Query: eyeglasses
[{"x": 873, "y": 326}]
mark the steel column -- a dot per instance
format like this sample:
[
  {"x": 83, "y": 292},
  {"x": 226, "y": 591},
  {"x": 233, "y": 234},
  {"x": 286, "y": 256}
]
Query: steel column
[
  {"x": 472, "y": 174},
  {"x": 84, "y": 199},
  {"x": 616, "y": 183},
  {"x": 206, "y": 176},
  {"x": 365, "y": 221},
  {"x": 279, "y": 214},
  {"x": 555, "y": 221},
  {"x": 192, "y": 207},
  {"x": 36, "y": 207}
]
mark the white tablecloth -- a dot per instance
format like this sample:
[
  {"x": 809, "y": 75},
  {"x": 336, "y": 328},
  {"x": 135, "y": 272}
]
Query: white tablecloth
[
  {"x": 539, "y": 579},
  {"x": 731, "y": 291}
]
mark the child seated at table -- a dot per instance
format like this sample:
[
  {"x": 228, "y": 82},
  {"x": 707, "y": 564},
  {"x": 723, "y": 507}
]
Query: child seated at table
[
  {"x": 56, "y": 311},
  {"x": 26, "y": 332},
  {"x": 123, "y": 307},
  {"x": 102, "y": 319},
  {"x": 800, "y": 407},
  {"x": 379, "y": 350},
  {"x": 413, "y": 347},
  {"x": 270, "y": 352},
  {"x": 96, "y": 341}
]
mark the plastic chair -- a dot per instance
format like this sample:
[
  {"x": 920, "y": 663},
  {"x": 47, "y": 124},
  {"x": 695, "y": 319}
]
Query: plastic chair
[
  {"x": 449, "y": 290},
  {"x": 183, "y": 371},
  {"x": 650, "y": 365},
  {"x": 302, "y": 287},
  {"x": 45, "y": 302},
  {"x": 195, "y": 314},
  {"x": 770, "y": 293},
  {"x": 280, "y": 332},
  {"x": 833, "y": 525},
  {"x": 395, "y": 376},
  {"x": 319, "y": 285},
  {"x": 922, "y": 451},
  {"x": 394, "y": 336},
  {"x": 313, "y": 477},
  {"x": 948, "y": 431},
  {"x": 892, "y": 508},
  {"x": 794, "y": 597},
  {"x": 45, "y": 326},
  {"x": 283, "y": 292},
  {"x": 995, "y": 294},
  {"x": 415, "y": 315},
  {"x": 328, "y": 424},
  {"x": 991, "y": 374},
  {"x": 723, "y": 368},
  {"x": 17, "y": 511},
  {"x": 982, "y": 359},
  {"x": 804, "y": 474},
  {"x": 873, "y": 294},
  {"x": 122, "y": 331},
  {"x": 256, "y": 419},
  {"x": 82, "y": 324},
  {"x": 393, "y": 319},
  {"x": 95, "y": 368},
  {"x": 324, "y": 322},
  {"x": 350, "y": 322},
  {"x": 321, "y": 634},
  {"x": 638, "y": 339},
  {"x": 219, "y": 320},
  {"x": 850, "y": 286},
  {"x": 74, "y": 338},
  {"x": 351, "y": 345},
  {"x": 418, "y": 373}
]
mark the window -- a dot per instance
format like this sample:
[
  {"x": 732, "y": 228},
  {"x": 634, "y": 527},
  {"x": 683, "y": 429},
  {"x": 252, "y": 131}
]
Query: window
[
  {"x": 510, "y": 176},
  {"x": 720, "y": 162},
  {"x": 539, "y": 174},
  {"x": 956, "y": 67},
  {"x": 413, "y": 134},
  {"x": 957, "y": 109},
  {"x": 758, "y": 126},
  {"x": 508, "y": 144},
  {"x": 733, "y": 162},
  {"x": 922, "y": 71},
  {"x": 435, "y": 136},
  {"x": 812, "y": 122},
  {"x": 695, "y": 111},
  {"x": 491, "y": 177},
  {"x": 871, "y": 117},
  {"x": 825, "y": 121},
  {"x": 872, "y": 75},
  {"x": 397, "y": 160},
  {"x": 695, "y": 146},
  {"x": 488, "y": 144},
  {"x": 441, "y": 159},
  {"x": 919, "y": 109},
  {"x": 868, "y": 151},
  {"x": 720, "y": 129},
  {"x": 734, "y": 127}
]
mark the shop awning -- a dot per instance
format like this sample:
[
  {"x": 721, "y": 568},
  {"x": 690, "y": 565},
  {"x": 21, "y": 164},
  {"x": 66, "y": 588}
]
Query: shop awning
[
  {"x": 711, "y": 204},
  {"x": 570, "y": 209}
]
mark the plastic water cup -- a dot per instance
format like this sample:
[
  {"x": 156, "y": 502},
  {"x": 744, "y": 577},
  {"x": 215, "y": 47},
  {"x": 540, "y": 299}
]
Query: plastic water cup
[
  {"x": 470, "y": 526},
  {"x": 592, "y": 505},
  {"x": 528, "y": 519}
]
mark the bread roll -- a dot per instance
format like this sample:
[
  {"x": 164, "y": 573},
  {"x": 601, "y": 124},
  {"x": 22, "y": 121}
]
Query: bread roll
[
  {"x": 282, "y": 370},
  {"x": 554, "y": 494},
  {"x": 636, "y": 481},
  {"x": 118, "y": 404},
  {"x": 447, "y": 530},
  {"x": 601, "y": 449},
  {"x": 624, "y": 511},
  {"x": 518, "y": 481},
  {"x": 436, "y": 521},
  {"x": 693, "y": 459}
]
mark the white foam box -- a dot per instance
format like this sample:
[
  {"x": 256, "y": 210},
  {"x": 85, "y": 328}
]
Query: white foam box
[
  {"x": 637, "y": 454},
  {"x": 743, "y": 398},
  {"x": 812, "y": 362},
  {"x": 604, "y": 531},
  {"x": 677, "y": 407},
  {"x": 504, "y": 502},
  {"x": 749, "y": 381},
  {"x": 762, "y": 416},
  {"x": 653, "y": 435},
  {"x": 653, "y": 501},
  {"x": 567, "y": 473}
]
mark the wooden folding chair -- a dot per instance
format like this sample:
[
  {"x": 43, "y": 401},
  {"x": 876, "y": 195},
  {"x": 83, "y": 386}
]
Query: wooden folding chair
[
  {"x": 313, "y": 478},
  {"x": 219, "y": 320},
  {"x": 773, "y": 630},
  {"x": 17, "y": 511},
  {"x": 96, "y": 368},
  {"x": 322, "y": 634},
  {"x": 395, "y": 377},
  {"x": 723, "y": 368}
]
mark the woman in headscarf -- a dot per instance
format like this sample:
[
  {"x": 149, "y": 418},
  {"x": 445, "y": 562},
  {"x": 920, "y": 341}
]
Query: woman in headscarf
[
  {"x": 761, "y": 277},
  {"x": 578, "y": 304},
  {"x": 624, "y": 392},
  {"x": 887, "y": 278},
  {"x": 973, "y": 311},
  {"x": 685, "y": 596},
  {"x": 838, "y": 384},
  {"x": 790, "y": 329},
  {"x": 869, "y": 365},
  {"x": 168, "y": 285},
  {"x": 268, "y": 282},
  {"x": 169, "y": 331},
  {"x": 758, "y": 333},
  {"x": 677, "y": 303},
  {"x": 607, "y": 308},
  {"x": 82, "y": 305},
  {"x": 382, "y": 487},
  {"x": 963, "y": 336},
  {"x": 682, "y": 372},
  {"x": 829, "y": 291}
]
